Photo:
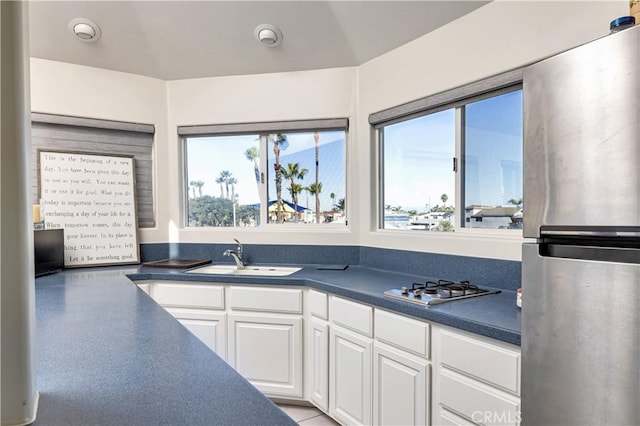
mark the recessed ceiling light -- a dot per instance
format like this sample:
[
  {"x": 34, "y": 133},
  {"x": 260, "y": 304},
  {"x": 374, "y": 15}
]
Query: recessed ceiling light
[
  {"x": 85, "y": 29},
  {"x": 268, "y": 35}
]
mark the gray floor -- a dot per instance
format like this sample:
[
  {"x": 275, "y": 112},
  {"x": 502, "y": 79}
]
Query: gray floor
[{"x": 307, "y": 416}]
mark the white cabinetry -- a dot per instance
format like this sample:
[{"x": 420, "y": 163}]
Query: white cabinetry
[
  {"x": 401, "y": 380},
  {"x": 267, "y": 351},
  {"x": 207, "y": 325},
  {"x": 318, "y": 350},
  {"x": 363, "y": 365},
  {"x": 265, "y": 342},
  {"x": 198, "y": 306},
  {"x": 478, "y": 380},
  {"x": 350, "y": 361}
]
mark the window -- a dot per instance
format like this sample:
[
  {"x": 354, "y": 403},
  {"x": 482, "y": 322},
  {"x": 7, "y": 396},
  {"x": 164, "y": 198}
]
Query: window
[
  {"x": 280, "y": 173},
  {"x": 493, "y": 162},
  {"x": 419, "y": 183},
  {"x": 223, "y": 180},
  {"x": 453, "y": 160}
]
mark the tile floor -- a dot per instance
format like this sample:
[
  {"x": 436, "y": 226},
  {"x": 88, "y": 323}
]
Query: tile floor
[{"x": 307, "y": 416}]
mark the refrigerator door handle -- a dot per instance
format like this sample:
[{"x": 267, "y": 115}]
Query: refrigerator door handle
[
  {"x": 593, "y": 253},
  {"x": 602, "y": 232}
]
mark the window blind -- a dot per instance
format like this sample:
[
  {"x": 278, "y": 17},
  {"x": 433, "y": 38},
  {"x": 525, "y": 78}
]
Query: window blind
[
  {"x": 83, "y": 135},
  {"x": 264, "y": 127},
  {"x": 448, "y": 98}
]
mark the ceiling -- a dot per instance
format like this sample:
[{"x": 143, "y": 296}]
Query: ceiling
[{"x": 174, "y": 40}]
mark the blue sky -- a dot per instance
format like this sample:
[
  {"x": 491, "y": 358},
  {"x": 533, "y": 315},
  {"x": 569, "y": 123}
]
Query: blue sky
[
  {"x": 418, "y": 155},
  {"x": 332, "y": 163},
  {"x": 208, "y": 157}
]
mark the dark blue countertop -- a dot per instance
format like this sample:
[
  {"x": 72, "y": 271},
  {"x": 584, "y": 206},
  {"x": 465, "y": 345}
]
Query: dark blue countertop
[
  {"x": 106, "y": 354},
  {"x": 495, "y": 316}
]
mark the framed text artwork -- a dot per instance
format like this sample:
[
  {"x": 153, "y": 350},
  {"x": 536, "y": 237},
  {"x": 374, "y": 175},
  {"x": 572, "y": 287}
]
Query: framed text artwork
[{"x": 91, "y": 197}]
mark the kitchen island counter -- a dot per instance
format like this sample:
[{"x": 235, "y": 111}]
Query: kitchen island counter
[{"x": 106, "y": 354}]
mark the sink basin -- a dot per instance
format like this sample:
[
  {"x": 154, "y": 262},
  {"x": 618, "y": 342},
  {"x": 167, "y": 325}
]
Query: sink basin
[{"x": 272, "y": 271}]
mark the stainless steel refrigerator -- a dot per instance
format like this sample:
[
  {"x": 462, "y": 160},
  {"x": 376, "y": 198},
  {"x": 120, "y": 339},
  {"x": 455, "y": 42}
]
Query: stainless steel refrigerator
[{"x": 581, "y": 279}]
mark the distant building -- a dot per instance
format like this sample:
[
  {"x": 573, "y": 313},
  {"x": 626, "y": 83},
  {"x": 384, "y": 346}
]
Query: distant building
[
  {"x": 500, "y": 217},
  {"x": 431, "y": 220}
]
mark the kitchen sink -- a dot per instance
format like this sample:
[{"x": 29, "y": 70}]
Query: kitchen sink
[{"x": 272, "y": 271}]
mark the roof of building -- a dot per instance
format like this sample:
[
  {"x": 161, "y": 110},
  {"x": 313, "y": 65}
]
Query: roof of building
[{"x": 498, "y": 212}]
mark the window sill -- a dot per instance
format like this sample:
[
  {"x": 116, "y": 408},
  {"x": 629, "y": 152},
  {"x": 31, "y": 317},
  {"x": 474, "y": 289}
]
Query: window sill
[
  {"x": 280, "y": 228},
  {"x": 502, "y": 234}
]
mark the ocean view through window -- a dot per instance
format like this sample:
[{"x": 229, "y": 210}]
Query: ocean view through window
[
  {"x": 419, "y": 182},
  {"x": 455, "y": 165}
]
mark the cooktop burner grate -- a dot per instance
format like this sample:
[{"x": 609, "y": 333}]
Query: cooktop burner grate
[{"x": 435, "y": 292}]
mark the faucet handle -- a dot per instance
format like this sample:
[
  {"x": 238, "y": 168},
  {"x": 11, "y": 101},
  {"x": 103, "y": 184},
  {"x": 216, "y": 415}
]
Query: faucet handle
[{"x": 239, "y": 249}]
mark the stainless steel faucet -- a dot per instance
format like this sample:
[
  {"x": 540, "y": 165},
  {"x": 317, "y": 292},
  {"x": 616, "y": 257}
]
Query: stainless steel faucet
[{"x": 237, "y": 255}]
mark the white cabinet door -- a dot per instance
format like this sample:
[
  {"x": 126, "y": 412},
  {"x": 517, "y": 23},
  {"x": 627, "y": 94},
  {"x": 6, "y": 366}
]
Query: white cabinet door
[
  {"x": 400, "y": 388},
  {"x": 206, "y": 325},
  {"x": 318, "y": 347},
  {"x": 350, "y": 377},
  {"x": 267, "y": 351}
]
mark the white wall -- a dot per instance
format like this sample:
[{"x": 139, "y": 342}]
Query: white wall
[
  {"x": 326, "y": 93},
  {"x": 67, "y": 89},
  {"x": 19, "y": 399},
  {"x": 494, "y": 38}
]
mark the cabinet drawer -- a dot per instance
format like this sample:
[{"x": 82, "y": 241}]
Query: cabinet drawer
[
  {"x": 402, "y": 332},
  {"x": 318, "y": 304},
  {"x": 195, "y": 314},
  {"x": 447, "y": 418},
  {"x": 284, "y": 300},
  {"x": 188, "y": 295},
  {"x": 478, "y": 402},
  {"x": 482, "y": 360},
  {"x": 351, "y": 315}
]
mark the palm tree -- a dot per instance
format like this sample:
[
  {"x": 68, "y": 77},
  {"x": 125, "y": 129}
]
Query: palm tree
[
  {"x": 341, "y": 204},
  {"x": 225, "y": 176},
  {"x": 515, "y": 201},
  {"x": 220, "y": 180},
  {"x": 315, "y": 189},
  {"x": 293, "y": 172},
  {"x": 252, "y": 154},
  {"x": 279, "y": 141},
  {"x": 444, "y": 198},
  {"x": 232, "y": 181},
  {"x": 318, "y": 185},
  {"x": 197, "y": 184},
  {"x": 294, "y": 190},
  {"x": 193, "y": 187}
]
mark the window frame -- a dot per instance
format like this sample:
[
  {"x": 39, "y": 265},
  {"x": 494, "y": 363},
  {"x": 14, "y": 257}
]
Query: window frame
[
  {"x": 262, "y": 130},
  {"x": 456, "y": 99}
]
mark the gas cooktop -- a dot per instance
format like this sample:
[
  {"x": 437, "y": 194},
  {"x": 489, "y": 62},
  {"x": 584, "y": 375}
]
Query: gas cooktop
[{"x": 433, "y": 293}]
